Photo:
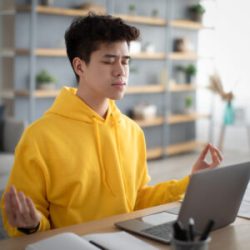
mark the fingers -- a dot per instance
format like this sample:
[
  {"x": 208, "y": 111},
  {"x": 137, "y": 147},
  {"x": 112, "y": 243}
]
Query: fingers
[
  {"x": 20, "y": 209},
  {"x": 23, "y": 216},
  {"x": 9, "y": 209},
  {"x": 216, "y": 157},
  {"x": 33, "y": 212},
  {"x": 204, "y": 152},
  {"x": 218, "y": 152}
]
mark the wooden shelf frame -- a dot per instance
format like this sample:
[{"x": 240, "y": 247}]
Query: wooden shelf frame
[
  {"x": 154, "y": 153},
  {"x": 143, "y": 20},
  {"x": 186, "y": 24},
  {"x": 184, "y": 147},
  {"x": 57, "y": 52},
  {"x": 181, "y": 87},
  {"x": 150, "y": 89},
  {"x": 182, "y": 118},
  {"x": 37, "y": 93},
  {"x": 43, "y": 52},
  {"x": 149, "y": 56},
  {"x": 157, "y": 121},
  {"x": 144, "y": 89},
  {"x": 47, "y": 10},
  {"x": 182, "y": 56},
  {"x": 7, "y": 94},
  {"x": 7, "y": 52},
  {"x": 147, "y": 20}
]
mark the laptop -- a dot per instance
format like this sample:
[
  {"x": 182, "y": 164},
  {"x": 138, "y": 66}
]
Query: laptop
[{"x": 211, "y": 194}]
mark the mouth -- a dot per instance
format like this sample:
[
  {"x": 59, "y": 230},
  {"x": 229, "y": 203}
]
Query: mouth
[{"x": 119, "y": 84}]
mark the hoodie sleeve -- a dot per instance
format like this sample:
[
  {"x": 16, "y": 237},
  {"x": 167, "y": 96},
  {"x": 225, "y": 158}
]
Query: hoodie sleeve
[
  {"x": 148, "y": 196},
  {"x": 29, "y": 176},
  {"x": 161, "y": 193}
]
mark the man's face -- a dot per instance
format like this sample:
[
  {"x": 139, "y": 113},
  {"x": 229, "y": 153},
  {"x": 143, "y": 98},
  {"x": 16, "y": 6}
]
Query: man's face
[{"x": 106, "y": 75}]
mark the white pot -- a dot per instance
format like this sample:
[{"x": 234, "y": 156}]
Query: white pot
[{"x": 47, "y": 86}]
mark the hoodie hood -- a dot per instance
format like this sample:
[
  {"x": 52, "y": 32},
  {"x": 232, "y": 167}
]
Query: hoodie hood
[{"x": 69, "y": 105}]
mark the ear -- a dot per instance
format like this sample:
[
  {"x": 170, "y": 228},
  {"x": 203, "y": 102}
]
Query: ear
[{"x": 79, "y": 66}]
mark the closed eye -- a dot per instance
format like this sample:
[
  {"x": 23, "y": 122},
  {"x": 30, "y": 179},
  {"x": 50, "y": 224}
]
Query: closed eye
[
  {"x": 125, "y": 62},
  {"x": 108, "y": 62}
]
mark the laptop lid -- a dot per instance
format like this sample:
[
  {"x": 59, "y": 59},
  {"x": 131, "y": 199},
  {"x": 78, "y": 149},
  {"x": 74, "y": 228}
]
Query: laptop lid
[{"x": 212, "y": 194}]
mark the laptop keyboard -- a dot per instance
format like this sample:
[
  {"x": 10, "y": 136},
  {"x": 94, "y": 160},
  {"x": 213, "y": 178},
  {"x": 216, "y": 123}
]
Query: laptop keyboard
[{"x": 164, "y": 231}]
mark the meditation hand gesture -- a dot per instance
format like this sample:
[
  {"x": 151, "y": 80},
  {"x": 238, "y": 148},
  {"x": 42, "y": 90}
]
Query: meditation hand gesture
[
  {"x": 20, "y": 210},
  {"x": 201, "y": 163}
]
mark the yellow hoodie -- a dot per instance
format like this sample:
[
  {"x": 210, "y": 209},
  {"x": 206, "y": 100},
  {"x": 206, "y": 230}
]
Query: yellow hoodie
[{"x": 77, "y": 166}]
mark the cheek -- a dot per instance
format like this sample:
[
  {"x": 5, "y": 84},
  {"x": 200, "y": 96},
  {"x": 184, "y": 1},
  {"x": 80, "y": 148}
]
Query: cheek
[
  {"x": 102, "y": 72},
  {"x": 126, "y": 70}
]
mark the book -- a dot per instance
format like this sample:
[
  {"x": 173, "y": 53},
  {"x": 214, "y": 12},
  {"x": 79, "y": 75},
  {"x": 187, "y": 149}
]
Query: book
[{"x": 105, "y": 241}]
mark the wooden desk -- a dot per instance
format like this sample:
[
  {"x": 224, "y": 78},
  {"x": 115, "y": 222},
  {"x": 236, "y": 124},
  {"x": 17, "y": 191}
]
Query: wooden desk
[{"x": 233, "y": 237}]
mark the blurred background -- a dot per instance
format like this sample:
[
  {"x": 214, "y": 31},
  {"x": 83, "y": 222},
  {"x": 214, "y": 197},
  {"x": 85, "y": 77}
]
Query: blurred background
[{"x": 189, "y": 74}]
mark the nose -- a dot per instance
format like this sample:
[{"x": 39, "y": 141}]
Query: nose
[{"x": 119, "y": 69}]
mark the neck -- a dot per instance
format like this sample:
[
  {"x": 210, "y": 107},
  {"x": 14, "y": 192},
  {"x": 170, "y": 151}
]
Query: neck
[{"x": 99, "y": 106}]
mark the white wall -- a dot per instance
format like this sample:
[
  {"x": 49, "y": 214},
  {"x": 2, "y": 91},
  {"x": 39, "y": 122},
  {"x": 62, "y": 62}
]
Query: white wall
[{"x": 230, "y": 44}]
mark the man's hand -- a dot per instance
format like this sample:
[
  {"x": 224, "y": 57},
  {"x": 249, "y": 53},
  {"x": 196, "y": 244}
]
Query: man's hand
[
  {"x": 201, "y": 163},
  {"x": 20, "y": 210}
]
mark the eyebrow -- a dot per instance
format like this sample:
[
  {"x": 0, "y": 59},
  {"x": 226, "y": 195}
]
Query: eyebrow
[{"x": 115, "y": 56}]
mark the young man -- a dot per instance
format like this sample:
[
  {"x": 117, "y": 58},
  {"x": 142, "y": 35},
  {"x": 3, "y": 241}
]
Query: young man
[{"x": 84, "y": 160}]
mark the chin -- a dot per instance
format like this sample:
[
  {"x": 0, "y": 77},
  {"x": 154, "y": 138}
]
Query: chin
[{"x": 117, "y": 97}]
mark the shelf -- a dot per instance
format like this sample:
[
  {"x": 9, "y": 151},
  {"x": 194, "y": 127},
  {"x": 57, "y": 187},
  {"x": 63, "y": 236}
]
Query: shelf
[
  {"x": 157, "y": 121},
  {"x": 186, "y": 24},
  {"x": 42, "y": 52},
  {"x": 7, "y": 53},
  {"x": 181, "y": 118},
  {"x": 153, "y": 88},
  {"x": 143, "y": 20},
  {"x": 183, "y": 147},
  {"x": 74, "y": 12},
  {"x": 62, "y": 53},
  {"x": 154, "y": 153},
  {"x": 7, "y": 12},
  {"x": 6, "y": 94},
  {"x": 182, "y": 87},
  {"x": 149, "y": 56},
  {"x": 183, "y": 56},
  {"x": 37, "y": 93},
  {"x": 53, "y": 10},
  {"x": 53, "y": 93}
]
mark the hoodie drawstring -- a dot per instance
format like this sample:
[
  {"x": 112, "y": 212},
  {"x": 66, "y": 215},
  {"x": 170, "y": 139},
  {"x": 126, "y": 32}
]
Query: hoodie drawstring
[
  {"x": 101, "y": 164},
  {"x": 125, "y": 181}
]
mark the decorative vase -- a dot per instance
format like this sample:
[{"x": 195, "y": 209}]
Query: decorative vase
[{"x": 229, "y": 114}]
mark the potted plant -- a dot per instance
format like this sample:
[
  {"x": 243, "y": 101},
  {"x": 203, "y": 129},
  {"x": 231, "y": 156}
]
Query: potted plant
[
  {"x": 154, "y": 13},
  {"x": 132, "y": 9},
  {"x": 45, "y": 81},
  {"x": 190, "y": 72},
  {"x": 188, "y": 105},
  {"x": 180, "y": 73},
  {"x": 196, "y": 12}
]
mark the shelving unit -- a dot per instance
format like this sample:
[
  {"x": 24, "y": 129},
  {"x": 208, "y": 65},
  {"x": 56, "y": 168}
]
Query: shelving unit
[
  {"x": 183, "y": 147},
  {"x": 180, "y": 118},
  {"x": 182, "y": 87},
  {"x": 153, "y": 90},
  {"x": 157, "y": 121},
  {"x": 154, "y": 153}
]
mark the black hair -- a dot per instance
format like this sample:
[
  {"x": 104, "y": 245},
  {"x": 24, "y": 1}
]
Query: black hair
[{"x": 85, "y": 35}]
